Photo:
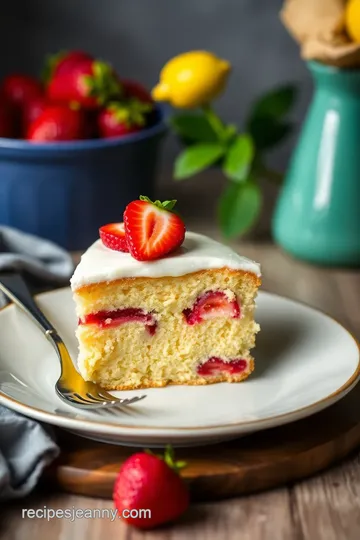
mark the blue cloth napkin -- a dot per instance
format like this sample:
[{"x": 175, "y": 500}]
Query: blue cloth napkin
[{"x": 27, "y": 447}]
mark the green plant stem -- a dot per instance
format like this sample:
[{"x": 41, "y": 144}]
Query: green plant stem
[{"x": 215, "y": 122}]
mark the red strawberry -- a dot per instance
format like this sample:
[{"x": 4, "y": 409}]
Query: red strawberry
[
  {"x": 32, "y": 110},
  {"x": 211, "y": 305},
  {"x": 20, "y": 89},
  {"x": 113, "y": 237},
  {"x": 152, "y": 230},
  {"x": 89, "y": 83},
  {"x": 216, "y": 366},
  {"x": 119, "y": 119},
  {"x": 109, "y": 319},
  {"x": 133, "y": 89},
  {"x": 8, "y": 121},
  {"x": 63, "y": 62},
  {"x": 58, "y": 123},
  {"x": 148, "y": 482}
]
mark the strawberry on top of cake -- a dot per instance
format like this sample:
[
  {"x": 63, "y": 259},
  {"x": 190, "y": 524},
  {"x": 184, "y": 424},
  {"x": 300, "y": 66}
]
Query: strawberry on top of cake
[{"x": 158, "y": 305}]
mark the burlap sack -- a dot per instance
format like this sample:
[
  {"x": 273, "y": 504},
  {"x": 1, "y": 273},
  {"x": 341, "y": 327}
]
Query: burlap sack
[{"x": 319, "y": 27}]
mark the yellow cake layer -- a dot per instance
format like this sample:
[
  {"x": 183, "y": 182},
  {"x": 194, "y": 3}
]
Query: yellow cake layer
[
  {"x": 170, "y": 294},
  {"x": 127, "y": 356}
]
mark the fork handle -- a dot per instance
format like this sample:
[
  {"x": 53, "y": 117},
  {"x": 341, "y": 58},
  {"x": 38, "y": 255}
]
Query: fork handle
[{"x": 14, "y": 287}]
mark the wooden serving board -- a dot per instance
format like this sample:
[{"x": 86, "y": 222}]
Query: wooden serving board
[{"x": 261, "y": 461}]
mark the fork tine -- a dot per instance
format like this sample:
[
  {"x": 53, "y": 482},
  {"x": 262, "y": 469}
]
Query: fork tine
[
  {"x": 105, "y": 395},
  {"x": 95, "y": 397},
  {"x": 89, "y": 400},
  {"x": 99, "y": 400},
  {"x": 135, "y": 399}
]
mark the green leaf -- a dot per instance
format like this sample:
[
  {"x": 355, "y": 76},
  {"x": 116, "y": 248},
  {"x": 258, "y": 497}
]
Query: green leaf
[
  {"x": 193, "y": 127},
  {"x": 239, "y": 208},
  {"x": 276, "y": 103},
  {"x": 239, "y": 158},
  {"x": 268, "y": 132},
  {"x": 169, "y": 205},
  {"x": 231, "y": 131},
  {"x": 197, "y": 158},
  {"x": 165, "y": 205}
]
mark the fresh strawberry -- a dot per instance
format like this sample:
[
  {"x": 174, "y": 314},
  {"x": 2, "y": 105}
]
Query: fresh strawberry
[
  {"x": 63, "y": 62},
  {"x": 8, "y": 120},
  {"x": 32, "y": 110},
  {"x": 89, "y": 83},
  {"x": 133, "y": 89},
  {"x": 58, "y": 123},
  {"x": 149, "y": 482},
  {"x": 216, "y": 366},
  {"x": 119, "y": 119},
  {"x": 20, "y": 89},
  {"x": 152, "y": 230},
  {"x": 211, "y": 305},
  {"x": 113, "y": 237}
]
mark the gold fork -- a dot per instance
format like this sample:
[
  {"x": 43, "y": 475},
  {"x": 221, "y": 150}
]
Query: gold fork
[{"x": 70, "y": 387}]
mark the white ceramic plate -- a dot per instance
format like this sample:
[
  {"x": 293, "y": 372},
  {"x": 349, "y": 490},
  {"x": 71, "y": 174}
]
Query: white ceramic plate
[{"x": 305, "y": 361}]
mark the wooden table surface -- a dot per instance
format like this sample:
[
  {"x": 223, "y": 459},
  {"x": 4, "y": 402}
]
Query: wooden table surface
[{"x": 326, "y": 507}]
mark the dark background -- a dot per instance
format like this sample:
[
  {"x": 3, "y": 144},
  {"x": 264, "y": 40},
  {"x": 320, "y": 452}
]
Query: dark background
[{"x": 139, "y": 36}]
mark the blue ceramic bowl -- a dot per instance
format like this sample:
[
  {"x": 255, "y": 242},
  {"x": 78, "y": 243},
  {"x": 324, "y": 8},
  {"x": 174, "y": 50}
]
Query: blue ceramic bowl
[{"x": 65, "y": 191}]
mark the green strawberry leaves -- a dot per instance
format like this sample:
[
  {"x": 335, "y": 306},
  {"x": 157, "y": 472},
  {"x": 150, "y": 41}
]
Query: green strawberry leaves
[
  {"x": 51, "y": 61},
  {"x": 103, "y": 84},
  {"x": 165, "y": 205},
  {"x": 169, "y": 458},
  {"x": 131, "y": 112}
]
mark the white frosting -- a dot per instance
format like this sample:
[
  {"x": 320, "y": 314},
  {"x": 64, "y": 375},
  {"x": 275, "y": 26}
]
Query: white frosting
[{"x": 198, "y": 252}]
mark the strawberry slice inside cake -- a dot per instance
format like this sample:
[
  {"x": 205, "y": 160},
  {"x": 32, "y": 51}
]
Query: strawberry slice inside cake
[{"x": 175, "y": 308}]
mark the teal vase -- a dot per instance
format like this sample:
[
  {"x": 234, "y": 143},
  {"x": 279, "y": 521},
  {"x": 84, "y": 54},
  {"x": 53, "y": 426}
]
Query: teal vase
[{"x": 317, "y": 217}]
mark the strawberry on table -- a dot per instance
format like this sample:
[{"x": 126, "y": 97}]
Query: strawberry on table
[
  {"x": 90, "y": 83},
  {"x": 58, "y": 123},
  {"x": 118, "y": 119},
  {"x": 152, "y": 229},
  {"x": 149, "y": 482},
  {"x": 113, "y": 237}
]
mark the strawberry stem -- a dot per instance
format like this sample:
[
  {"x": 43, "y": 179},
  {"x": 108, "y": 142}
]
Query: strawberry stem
[
  {"x": 131, "y": 112},
  {"x": 51, "y": 62},
  {"x": 169, "y": 458},
  {"x": 166, "y": 205},
  {"x": 103, "y": 84}
]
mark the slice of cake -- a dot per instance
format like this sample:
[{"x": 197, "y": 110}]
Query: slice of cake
[{"x": 184, "y": 317}]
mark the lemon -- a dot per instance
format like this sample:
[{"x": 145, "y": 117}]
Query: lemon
[
  {"x": 352, "y": 19},
  {"x": 192, "y": 79}
]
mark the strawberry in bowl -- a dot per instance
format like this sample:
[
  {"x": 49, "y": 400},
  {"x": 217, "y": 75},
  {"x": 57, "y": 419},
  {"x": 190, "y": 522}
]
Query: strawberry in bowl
[{"x": 77, "y": 142}]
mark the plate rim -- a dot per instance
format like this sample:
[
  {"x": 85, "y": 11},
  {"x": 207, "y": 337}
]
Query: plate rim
[{"x": 87, "y": 424}]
